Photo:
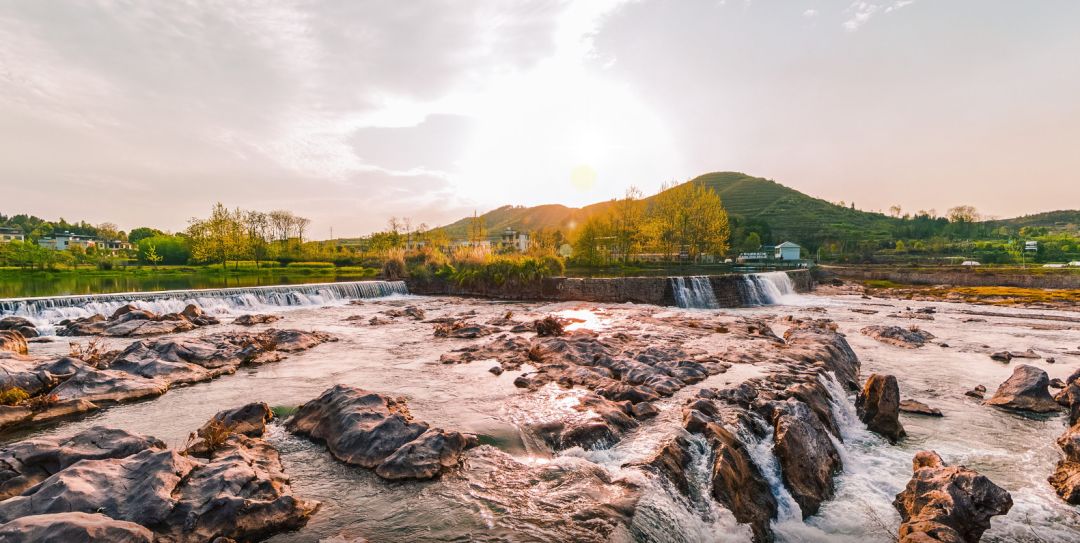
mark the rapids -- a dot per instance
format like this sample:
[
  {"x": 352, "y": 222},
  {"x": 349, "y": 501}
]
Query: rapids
[{"x": 513, "y": 489}]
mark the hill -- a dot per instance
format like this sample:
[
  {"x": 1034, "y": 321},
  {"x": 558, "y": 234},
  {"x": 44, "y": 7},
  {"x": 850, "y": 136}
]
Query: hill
[
  {"x": 785, "y": 212},
  {"x": 788, "y": 213}
]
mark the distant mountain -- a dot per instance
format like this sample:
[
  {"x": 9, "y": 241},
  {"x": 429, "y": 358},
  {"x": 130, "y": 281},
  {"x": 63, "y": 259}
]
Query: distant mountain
[
  {"x": 789, "y": 214},
  {"x": 1063, "y": 220}
]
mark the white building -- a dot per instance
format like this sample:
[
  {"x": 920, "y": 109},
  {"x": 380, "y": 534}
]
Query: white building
[
  {"x": 788, "y": 251},
  {"x": 518, "y": 240},
  {"x": 8, "y": 235},
  {"x": 62, "y": 241}
]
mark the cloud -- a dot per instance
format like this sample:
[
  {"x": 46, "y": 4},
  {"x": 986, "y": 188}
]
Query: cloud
[
  {"x": 810, "y": 13},
  {"x": 860, "y": 12}
]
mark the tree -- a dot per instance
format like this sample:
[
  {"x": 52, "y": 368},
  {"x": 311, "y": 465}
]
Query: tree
[
  {"x": 151, "y": 255},
  {"x": 138, "y": 234},
  {"x": 477, "y": 229},
  {"x": 895, "y": 210}
]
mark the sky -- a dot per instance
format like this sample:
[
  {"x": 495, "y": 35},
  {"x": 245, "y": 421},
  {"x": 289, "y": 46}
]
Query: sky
[{"x": 145, "y": 113}]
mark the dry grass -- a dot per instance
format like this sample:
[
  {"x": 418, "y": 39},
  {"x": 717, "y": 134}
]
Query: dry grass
[
  {"x": 93, "y": 353},
  {"x": 13, "y": 396}
]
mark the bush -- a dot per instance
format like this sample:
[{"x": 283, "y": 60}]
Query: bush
[
  {"x": 394, "y": 268},
  {"x": 13, "y": 396}
]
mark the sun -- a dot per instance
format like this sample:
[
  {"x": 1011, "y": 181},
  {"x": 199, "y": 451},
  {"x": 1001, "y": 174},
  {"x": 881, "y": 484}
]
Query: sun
[{"x": 583, "y": 177}]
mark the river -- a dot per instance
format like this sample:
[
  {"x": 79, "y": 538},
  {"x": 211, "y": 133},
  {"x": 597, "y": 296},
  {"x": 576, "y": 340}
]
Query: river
[{"x": 493, "y": 497}]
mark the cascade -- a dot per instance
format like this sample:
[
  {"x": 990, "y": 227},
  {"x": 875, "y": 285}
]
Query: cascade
[
  {"x": 47, "y": 311},
  {"x": 769, "y": 288},
  {"x": 697, "y": 293}
]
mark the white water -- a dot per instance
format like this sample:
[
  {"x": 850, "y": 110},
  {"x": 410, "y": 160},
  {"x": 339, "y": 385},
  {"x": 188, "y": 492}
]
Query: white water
[
  {"x": 698, "y": 294},
  {"x": 771, "y": 288},
  {"x": 46, "y": 312}
]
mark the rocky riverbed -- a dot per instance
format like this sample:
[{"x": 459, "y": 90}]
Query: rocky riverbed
[{"x": 438, "y": 418}]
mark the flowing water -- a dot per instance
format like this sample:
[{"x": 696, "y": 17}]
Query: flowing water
[{"x": 494, "y": 497}]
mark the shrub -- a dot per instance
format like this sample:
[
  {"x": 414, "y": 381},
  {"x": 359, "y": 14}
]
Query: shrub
[
  {"x": 548, "y": 326},
  {"x": 13, "y": 396},
  {"x": 394, "y": 268},
  {"x": 93, "y": 353}
]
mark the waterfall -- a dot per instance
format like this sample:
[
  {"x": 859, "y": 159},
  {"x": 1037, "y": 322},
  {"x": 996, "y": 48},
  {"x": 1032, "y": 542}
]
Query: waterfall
[
  {"x": 697, "y": 293},
  {"x": 47, "y": 311},
  {"x": 769, "y": 288}
]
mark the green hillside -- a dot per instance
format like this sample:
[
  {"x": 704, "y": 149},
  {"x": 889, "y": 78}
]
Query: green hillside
[{"x": 789, "y": 214}]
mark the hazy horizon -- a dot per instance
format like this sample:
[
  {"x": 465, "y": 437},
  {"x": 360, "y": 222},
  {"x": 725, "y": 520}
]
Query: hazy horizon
[{"x": 147, "y": 114}]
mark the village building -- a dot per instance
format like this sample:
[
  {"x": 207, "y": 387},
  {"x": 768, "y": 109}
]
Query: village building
[
  {"x": 788, "y": 251},
  {"x": 8, "y": 235}
]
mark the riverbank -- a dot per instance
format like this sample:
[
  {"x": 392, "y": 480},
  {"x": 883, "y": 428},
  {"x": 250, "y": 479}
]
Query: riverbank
[{"x": 1032, "y": 277}]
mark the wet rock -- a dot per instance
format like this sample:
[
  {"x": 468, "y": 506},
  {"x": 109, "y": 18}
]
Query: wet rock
[
  {"x": 497, "y": 370},
  {"x": 808, "y": 458},
  {"x": 1001, "y": 356},
  {"x": 548, "y": 327},
  {"x": 424, "y": 457},
  {"x": 463, "y": 330},
  {"x": 978, "y": 392},
  {"x": 81, "y": 527},
  {"x": 26, "y": 463},
  {"x": 414, "y": 313},
  {"x": 597, "y": 424},
  {"x": 878, "y": 406},
  {"x": 238, "y": 490},
  {"x": 947, "y": 503},
  {"x": 1025, "y": 354},
  {"x": 375, "y": 431},
  {"x": 249, "y": 420},
  {"x": 645, "y": 410},
  {"x": 1057, "y": 383},
  {"x": 13, "y": 341},
  {"x": 1066, "y": 476},
  {"x": 251, "y": 320},
  {"x": 20, "y": 325},
  {"x": 1025, "y": 390},
  {"x": 130, "y": 321},
  {"x": 916, "y": 407},
  {"x": 908, "y": 338}
]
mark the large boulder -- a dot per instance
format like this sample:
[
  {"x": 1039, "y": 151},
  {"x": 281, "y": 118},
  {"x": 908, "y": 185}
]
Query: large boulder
[
  {"x": 131, "y": 321},
  {"x": 26, "y": 463},
  {"x": 1066, "y": 476},
  {"x": 71, "y": 527},
  {"x": 878, "y": 406},
  {"x": 808, "y": 458},
  {"x": 1026, "y": 390},
  {"x": 13, "y": 341},
  {"x": 951, "y": 504},
  {"x": 375, "y": 431}
]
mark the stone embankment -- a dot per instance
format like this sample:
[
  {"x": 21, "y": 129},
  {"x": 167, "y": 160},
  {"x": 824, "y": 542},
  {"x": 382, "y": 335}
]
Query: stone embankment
[{"x": 640, "y": 290}]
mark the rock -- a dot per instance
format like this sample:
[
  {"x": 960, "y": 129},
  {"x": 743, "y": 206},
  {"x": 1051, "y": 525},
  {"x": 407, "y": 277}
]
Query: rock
[
  {"x": 424, "y": 457},
  {"x": 946, "y": 503},
  {"x": 415, "y": 313},
  {"x": 238, "y": 491},
  {"x": 808, "y": 458},
  {"x": 978, "y": 392},
  {"x": 130, "y": 321},
  {"x": 918, "y": 408},
  {"x": 1066, "y": 476},
  {"x": 1001, "y": 356},
  {"x": 548, "y": 327},
  {"x": 20, "y": 325},
  {"x": 497, "y": 370},
  {"x": 597, "y": 424},
  {"x": 13, "y": 341},
  {"x": 359, "y": 427},
  {"x": 1057, "y": 383},
  {"x": 878, "y": 406},
  {"x": 645, "y": 410},
  {"x": 249, "y": 420},
  {"x": 26, "y": 463},
  {"x": 1025, "y": 390},
  {"x": 251, "y": 320},
  {"x": 1025, "y": 354},
  {"x": 908, "y": 338},
  {"x": 1050, "y": 360},
  {"x": 81, "y": 527}
]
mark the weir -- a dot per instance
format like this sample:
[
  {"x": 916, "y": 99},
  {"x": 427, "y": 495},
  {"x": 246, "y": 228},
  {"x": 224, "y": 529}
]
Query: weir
[
  {"x": 222, "y": 300},
  {"x": 753, "y": 289}
]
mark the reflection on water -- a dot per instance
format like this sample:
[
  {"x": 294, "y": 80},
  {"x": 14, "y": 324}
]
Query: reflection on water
[{"x": 30, "y": 285}]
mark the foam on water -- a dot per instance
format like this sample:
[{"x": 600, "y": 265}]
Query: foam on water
[
  {"x": 46, "y": 312},
  {"x": 770, "y": 288}
]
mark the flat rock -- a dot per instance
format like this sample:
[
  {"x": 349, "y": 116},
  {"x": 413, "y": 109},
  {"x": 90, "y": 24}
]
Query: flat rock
[
  {"x": 1026, "y": 390},
  {"x": 908, "y": 338},
  {"x": 72, "y": 527},
  {"x": 916, "y": 407},
  {"x": 947, "y": 503},
  {"x": 251, "y": 320},
  {"x": 424, "y": 457}
]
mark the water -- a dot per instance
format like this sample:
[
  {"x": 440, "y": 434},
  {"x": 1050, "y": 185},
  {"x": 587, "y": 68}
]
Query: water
[
  {"x": 771, "y": 288},
  {"x": 516, "y": 491},
  {"x": 46, "y": 312},
  {"x": 697, "y": 293}
]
